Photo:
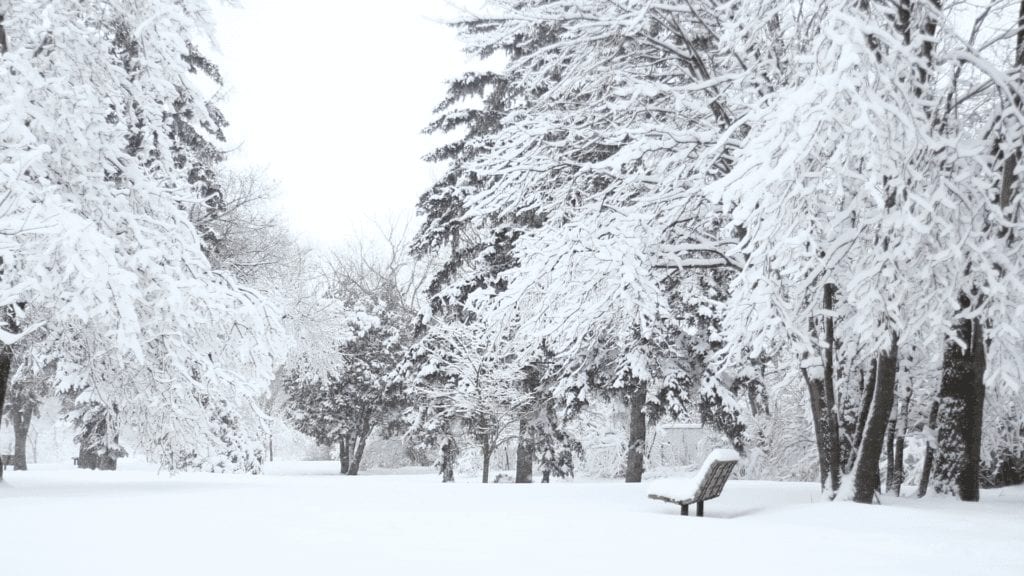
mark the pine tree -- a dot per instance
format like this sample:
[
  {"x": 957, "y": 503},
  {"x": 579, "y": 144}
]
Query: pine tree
[
  {"x": 594, "y": 278},
  {"x": 471, "y": 252}
]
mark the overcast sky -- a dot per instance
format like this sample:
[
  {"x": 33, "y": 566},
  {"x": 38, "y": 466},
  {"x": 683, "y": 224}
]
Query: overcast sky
[{"x": 331, "y": 98}]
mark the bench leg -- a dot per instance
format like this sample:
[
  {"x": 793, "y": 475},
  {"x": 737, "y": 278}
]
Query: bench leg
[
  {"x": 685, "y": 510},
  {"x": 700, "y": 508}
]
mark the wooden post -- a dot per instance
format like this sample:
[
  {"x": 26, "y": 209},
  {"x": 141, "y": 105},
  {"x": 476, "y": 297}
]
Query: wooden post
[{"x": 700, "y": 508}]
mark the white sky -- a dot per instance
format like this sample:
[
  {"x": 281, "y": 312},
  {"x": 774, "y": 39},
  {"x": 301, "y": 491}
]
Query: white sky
[{"x": 330, "y": 98}]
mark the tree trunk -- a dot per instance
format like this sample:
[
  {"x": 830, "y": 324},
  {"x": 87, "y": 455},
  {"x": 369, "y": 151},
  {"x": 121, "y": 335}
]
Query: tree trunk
[
  {"x": 6, "y": 357},
  {"x": 902, "y": 421},
  {"x": 890, "y": 451},
  {"x": 87, "y": 459},
  {"x": 929, "y": 451},
  {"x": 357, "y": 456},
  {"x": 865, "y": 469},
  {"x": 814, "y": 395},
  {"x": 485, "y": 449},
  {"x": 449, "y": 452},
  {"x": 862, "y": 417},
  {"x": 752, "y": 399},
  {"x": 961, "y": 404},
  {"x": 21, "y": 421},
  {"x": 343, "y": 455},
  {"x": 1007, "y": 185},
  {"x": 831, "y": 415},
  {"x": 897, "y": 476},
  {"x": 524, "y": 454},
  {"x": 637, "y": 433},
  {"x": 3, "y": 50}
]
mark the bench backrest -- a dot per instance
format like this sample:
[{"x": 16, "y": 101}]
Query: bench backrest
[{"x": 714, "y": 480}]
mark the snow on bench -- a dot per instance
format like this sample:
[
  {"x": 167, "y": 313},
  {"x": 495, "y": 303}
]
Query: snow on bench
[{"x": 705, "y": 485}]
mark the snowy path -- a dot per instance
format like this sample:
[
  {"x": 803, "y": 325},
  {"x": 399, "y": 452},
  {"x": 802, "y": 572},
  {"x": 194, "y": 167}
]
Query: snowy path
[{"x": 67, "y": 522}]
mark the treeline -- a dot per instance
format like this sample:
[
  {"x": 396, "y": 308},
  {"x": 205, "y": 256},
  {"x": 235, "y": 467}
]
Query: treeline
[
  {"x": 793, "y": 220},
  {"x": 799, "y": 224}
]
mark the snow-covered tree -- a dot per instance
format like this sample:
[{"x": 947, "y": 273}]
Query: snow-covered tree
[
  {"x": 360, "y": 391},
  {"x": 610, "y": 261},
  {"x": 728, "y": 202},
  {"x": 27, "y": 390},
  {"x": 100, "y": 259},
  {"x": 357, "y": 397},
  {"x": 464, "y": 386},
  {"x": 859, "y": 186}
]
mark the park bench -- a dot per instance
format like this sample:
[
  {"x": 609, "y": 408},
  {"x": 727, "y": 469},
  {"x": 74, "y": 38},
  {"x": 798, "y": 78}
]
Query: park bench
[
  {"x": 705, "y": 485},
  {"x": 8, "y": 460}
]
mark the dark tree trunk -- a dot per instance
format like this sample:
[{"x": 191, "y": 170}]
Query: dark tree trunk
[
  {"x": 1009, "y": 179},
  {"x": 890, "y": 451},
  {"x": 87, "y": 459},
  {"x": 929, "y": 451},
  {"x": 814, "y": 395},
  {"x": 862, "y": 417},
  {"x": 449, "y": 451},
  {"x": 343, "y": 455},
  {"x": 902, "y": 421},
  {"x": 524, "y": 454},
  {"x": 831, "y": 415},
  {"x": 6, "y": 357},
  {"x": 526, "y": 445},
  {"x": 485, "y": 450},
  {"x": 3, "y": 50},
  {"x": 21, "y": 422},
  {"x": 961, "y": 404},
  {"x": 898, "y": 471},
  {"x": 865, "y": 469},
  {"x": 357, "y": 455},
  {"x": 5, "y": 373},
  {"x": 752, "y": 399},
  {"x": 637, "y": 433}
]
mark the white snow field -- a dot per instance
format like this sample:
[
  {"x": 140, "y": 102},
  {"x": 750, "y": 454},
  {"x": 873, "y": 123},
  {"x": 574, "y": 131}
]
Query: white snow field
[{"x": 302, "y": 519}]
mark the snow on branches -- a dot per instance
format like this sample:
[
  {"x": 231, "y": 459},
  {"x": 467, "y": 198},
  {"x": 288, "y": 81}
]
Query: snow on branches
[
  {"x": 97, "y": 243},
  {"x": 738, "y": 197}
]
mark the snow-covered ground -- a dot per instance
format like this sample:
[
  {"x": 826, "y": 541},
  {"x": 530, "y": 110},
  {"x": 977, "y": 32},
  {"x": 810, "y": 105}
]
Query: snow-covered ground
[{"x": 301, "y": 519}]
